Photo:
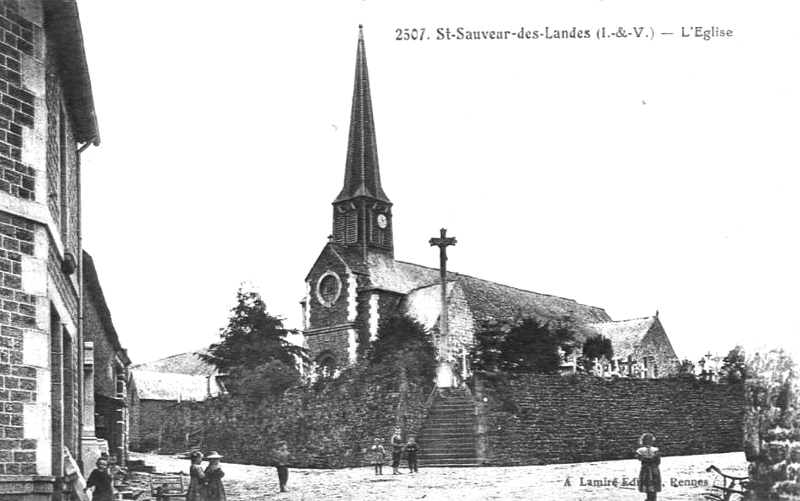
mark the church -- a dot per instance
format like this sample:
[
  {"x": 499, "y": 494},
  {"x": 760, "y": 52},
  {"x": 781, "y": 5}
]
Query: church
[{"x": 356, "y": 280}]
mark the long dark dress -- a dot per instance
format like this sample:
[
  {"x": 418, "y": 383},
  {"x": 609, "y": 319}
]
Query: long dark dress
[
  {"x": 650, "y": 474},
  {"x": 197, "y": 481},
  {"x": 102, "y": 481},
  {"x": 214, "y": 489}
]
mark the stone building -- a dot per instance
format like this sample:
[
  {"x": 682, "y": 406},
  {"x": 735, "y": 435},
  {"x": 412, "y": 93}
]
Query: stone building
[
  {"x": 356, "y": 279},
  {"x": 640, "y": 339},
  {"x": 47, "y": 120},
  {"x": 158, "y": 387},
  {"x": 106, "y": 374}
]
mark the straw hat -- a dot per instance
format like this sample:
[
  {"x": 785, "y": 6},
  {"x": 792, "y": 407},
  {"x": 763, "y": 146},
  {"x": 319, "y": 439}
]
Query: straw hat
[{"x": 214, "y": 455}]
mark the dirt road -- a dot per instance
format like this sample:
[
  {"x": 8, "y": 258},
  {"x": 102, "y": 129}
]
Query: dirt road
[{"x": 684, "y": 478}]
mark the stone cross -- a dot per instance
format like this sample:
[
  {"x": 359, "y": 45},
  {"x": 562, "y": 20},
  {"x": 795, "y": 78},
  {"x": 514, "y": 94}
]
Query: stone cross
[{"x": 443, "y": 242}]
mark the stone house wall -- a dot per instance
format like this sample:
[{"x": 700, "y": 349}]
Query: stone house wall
[{"x": 41, "y": 394}]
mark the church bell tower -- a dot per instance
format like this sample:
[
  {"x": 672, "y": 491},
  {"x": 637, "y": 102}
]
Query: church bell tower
[{"x": 362, "y": 213}]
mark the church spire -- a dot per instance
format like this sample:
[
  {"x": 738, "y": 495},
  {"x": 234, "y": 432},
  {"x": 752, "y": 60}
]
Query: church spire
[
  {"x": 362, "y": 213},
  {"x": 362, "y": 175}
]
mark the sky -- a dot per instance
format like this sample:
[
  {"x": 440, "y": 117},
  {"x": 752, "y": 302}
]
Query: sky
[{"x": 638, "y": 174}]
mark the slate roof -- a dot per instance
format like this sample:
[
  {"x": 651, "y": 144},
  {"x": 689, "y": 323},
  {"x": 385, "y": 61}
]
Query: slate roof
[
  {"x": 152, "y": 385},
  {"x": 424, "y": 304},
  {"x": 488, "y": 301},
  {"x": 625, "y": 335},
  {"x": 93, "y": 288},
  {"x": 183, "y": 363},
  {"x": 362, "y": 175}
]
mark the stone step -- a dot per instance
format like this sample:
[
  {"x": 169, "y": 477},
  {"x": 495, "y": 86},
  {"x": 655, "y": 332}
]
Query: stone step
[
  {"x": 446, "y": 455},
  {"x": 453, "y": 405},
  {"x": 456, "y": 442},
  {"x": 449, "y": 462},
  {"x": 448, "y": 434},
  {"x": 447, "y": 428},
  {"x": 450, "y": 415},
  {"x": 455, "y": 423},
  {"x": 453, "y": 451}
]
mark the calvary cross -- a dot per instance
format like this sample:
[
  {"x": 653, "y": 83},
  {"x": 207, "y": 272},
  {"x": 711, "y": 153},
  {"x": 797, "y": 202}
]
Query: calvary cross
[{"x": 443, "y": 242}]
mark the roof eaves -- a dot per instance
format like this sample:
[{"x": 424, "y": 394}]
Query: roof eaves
[{"x": 64, "y": 25}]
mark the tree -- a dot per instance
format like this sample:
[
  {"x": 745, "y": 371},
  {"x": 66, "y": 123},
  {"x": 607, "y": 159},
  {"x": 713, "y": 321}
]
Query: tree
[
  {"x": 595, "y": 347},
  {"x": 529, "y": 346},
  {"x": 685, "y": 370},
  {"x": 734, "y": 366},
  {"x": 486, "y": 354},
  {"x": 403, "y": 342},
  {"x": 253, "y": 341}
]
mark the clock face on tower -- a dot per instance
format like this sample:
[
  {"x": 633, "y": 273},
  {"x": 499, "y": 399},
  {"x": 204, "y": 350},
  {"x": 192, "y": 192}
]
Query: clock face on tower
[{"x": 382, "y": 221}]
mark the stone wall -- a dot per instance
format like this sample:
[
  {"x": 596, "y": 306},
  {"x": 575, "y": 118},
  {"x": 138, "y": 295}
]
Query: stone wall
[
  {"x": 19, "y": 382},
  {"x": 537, "y": 419},
  {"x": 329, "y": 424}
]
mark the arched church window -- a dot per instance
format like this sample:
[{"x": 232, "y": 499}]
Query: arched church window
[{"x": 327, "y": 364}]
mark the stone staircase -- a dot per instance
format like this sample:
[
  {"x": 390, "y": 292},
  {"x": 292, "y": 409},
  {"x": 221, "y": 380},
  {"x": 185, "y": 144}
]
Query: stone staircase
[{"x": 447, "y": 437}]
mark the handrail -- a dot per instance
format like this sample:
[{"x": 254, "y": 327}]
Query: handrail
[{"x": 431, "y": 397}]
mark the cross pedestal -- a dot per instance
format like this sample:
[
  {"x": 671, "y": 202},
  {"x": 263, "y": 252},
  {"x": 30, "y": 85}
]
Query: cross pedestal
[{"x": 444, "y": 375}]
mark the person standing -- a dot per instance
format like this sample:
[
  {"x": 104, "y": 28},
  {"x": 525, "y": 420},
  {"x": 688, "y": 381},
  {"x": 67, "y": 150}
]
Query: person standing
[
  {"x": 197, "y": 478},
  {"x": 411, "y": 454},
  {"x": 378, "y": 455},
  {"x": 282, "y": 458},
  {"x": 397, "y": 451},
  {"x": 650, "y": 473},
  {"x": 215, "y": 491},
  {"x": 102, "y": 481}
]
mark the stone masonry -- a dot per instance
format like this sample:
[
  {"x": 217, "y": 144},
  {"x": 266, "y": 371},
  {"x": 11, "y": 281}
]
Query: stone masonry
[{"x": 45, "y": 112}]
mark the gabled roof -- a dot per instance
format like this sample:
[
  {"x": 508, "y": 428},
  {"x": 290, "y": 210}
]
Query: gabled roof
[
  {"x": 184, "y": 363},
  {"x": 91, "y": 284},
  {"x": 491, "y": 301},
  {"x": 625, "y": 335},
  {"x": 389, "y": 274},
  {"x": 362, "y": 176},
  {"x": 174, "y": 387},
  {"x": 488, "y": 301},
  {"x": 425, "y": 304},
  {"x": 64, "y": 26}
]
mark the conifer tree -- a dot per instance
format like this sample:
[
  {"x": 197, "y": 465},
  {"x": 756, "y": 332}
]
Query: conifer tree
[{"x": 253, "y": 349}]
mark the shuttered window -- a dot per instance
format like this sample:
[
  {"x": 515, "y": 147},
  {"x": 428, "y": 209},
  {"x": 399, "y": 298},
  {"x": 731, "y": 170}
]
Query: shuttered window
[{"x": 352, "y": 228}]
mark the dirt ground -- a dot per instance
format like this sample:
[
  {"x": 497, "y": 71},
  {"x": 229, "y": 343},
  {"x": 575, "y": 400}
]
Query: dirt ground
[{"x": 684, "y": 478}]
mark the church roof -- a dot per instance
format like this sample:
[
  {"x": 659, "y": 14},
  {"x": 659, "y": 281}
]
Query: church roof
[
  {"x": 491, "y": 301},
  {"x": 487, "y": 301},
  {"x": 625, "y": 335},
  {"x": 362, "y": 175}
]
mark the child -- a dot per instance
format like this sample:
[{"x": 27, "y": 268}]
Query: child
[
  {"x": 282, "y": 463},
  {"x": 197, "y": 478},
  {"x": 214, "y": 490},
  {"x": 378, "y": 454},
  {"x": 102, "y": 481},
  {"x": 411, "y": 454},
  {"x": 397, "y": 451},
  {"x": 650, "y": 474}
]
